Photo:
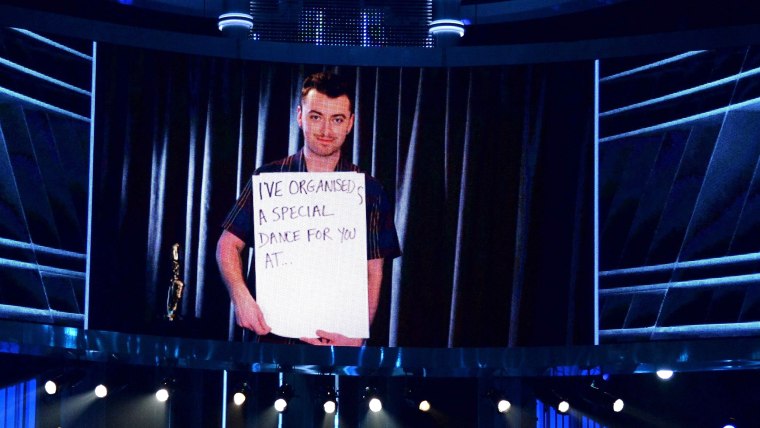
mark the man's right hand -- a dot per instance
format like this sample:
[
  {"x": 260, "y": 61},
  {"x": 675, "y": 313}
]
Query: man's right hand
[
  {"x": 247, "y": 311},
  {"x": 249, "y": 315}
]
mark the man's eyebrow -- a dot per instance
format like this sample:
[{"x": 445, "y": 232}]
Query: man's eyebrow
[{"x": 312, "y": 111}]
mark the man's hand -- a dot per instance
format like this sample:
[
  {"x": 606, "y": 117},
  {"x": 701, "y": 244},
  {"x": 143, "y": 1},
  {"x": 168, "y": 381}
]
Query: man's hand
[
  {"x": 326, "y": 338},
  {"x": 247, "y": 311},
  {"x": 249, "y": 315}
]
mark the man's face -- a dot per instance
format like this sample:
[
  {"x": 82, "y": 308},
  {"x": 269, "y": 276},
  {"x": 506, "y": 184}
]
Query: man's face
[{"x": 325, "y": 122}]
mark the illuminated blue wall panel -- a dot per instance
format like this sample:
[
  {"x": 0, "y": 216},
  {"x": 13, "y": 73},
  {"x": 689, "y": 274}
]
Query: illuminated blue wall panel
[
  {"x": 44, "y": 143},
  {"x": 679, "y": 206}
]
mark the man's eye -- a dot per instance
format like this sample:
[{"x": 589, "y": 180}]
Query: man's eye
[
  {"x": 338, "y": 120},
  {"x": 314, "y": 117}
]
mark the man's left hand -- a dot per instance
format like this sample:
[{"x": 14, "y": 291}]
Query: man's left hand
[{"x": 326, "y": 338}]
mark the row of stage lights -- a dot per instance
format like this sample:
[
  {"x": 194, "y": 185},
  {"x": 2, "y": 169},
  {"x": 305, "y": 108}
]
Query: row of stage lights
[{"x": 329, "y": 396}]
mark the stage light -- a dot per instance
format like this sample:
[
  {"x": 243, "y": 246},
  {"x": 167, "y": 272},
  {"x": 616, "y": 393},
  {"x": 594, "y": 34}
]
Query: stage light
[
  {"x": 499, "y": 400},
  {"x": 236, "y": 24},
  {"x": 665, "y": 374},
  {"x": 375, "y": 405},
  {"x": 373, "y": 399},
  {"x": 283, "y": 396},
  {"x": 563, "y": 406},
  {"x": 414, "y": 398},
  {"x": 162, "y": 394},
  {"x": 329, "y": 398},
  {"x": 240, "y": 394},
  {"x": 446, "y": 26},
  {"x": 618, "y": 405},
  {"x": 101, "y": 391},
  {"x": 165, "y": 389},
  {"x": 51, "y": 387},
  {"x": 64, "y": 379}
]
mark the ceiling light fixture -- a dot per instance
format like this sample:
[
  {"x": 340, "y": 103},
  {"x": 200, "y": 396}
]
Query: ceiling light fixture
[
  {"x": 446, "y": 27},
  {"x": 236, "y": 24}
]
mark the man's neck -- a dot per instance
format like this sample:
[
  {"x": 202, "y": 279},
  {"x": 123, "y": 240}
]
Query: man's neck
[{"x": 316, "y": 163}]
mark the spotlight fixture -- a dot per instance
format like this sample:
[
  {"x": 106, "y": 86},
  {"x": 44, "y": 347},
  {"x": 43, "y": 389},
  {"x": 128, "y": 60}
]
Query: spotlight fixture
[
  {"x": 67, "y": 378},
  {"x": 499, "y": 400},
  {"x": 283, "y": 396},
  {"x": 236, "y": 24},
  {"x": 162, "y": 394},
  {"x": 372, "y": 398},
  {"x": 563, "y": 406},
  {"x": 240, "y": 394},
  {"x": 101, "y": 391},
  {"x": 413, "y": 398},
  {"x": 446, "y": 27},
  {"x": 617, "y": 406},
  {"x": 330, "y": 400},
  {"x": 164, "y": 390},
  {"x": 665, "y": 374},
  {"x": 51, "y": 387}
]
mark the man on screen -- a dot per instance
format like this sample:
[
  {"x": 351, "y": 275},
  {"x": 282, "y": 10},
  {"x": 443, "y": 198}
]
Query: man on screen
[{"x": 325, "y": 115}]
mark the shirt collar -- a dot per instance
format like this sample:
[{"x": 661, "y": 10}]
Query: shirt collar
[{"x": 300, "y": 163}]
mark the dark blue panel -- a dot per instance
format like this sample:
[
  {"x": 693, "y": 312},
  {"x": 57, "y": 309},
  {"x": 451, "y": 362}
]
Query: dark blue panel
[
  {"x": 750, "y": 310},
  {"x": 13, "y": 225},
  {"x": 47, "y": 149},
  {"x": 677, "y": 212},
  {"x": 628, "y": 172},
  {"x": 645, "y": 307},
  {"x": 652, "y": 202},
  {"x": 726, "y": 304},
  {"x": 667, "y": 111},
  {"x": 613, "y": 311},
  {"x": 64, "y": 294},
  {"x": 666, "y": 80},
  {"x": 685, "y": 306},
  {"x": 725, "y": 187},
  {"x": 31, "y": 184},
  {"x": 22, "y": 287}
]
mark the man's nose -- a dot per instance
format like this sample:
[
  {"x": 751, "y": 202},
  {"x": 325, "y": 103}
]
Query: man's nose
[{"x": 324, "y": 128}]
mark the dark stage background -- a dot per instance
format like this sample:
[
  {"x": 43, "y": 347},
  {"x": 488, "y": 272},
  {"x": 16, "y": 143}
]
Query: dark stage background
[{"x": 490, "y": 168}]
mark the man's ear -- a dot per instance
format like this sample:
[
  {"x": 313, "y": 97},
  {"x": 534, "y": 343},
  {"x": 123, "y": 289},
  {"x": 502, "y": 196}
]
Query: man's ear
[{"x": 299, "y": 115}]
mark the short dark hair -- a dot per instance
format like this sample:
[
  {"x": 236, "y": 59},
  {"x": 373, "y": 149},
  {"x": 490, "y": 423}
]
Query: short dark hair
[{"x": 331, "y": 84}]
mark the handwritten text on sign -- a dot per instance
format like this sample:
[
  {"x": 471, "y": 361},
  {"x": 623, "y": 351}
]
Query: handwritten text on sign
[{"x": 311, "y": 252}]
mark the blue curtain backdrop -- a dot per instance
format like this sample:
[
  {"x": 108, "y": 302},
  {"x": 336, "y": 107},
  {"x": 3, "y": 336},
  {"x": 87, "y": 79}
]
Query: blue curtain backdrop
[{"x": 490, "y": 168}]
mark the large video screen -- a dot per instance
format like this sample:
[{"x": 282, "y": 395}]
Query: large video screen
[{"x": 483, "y": 175}]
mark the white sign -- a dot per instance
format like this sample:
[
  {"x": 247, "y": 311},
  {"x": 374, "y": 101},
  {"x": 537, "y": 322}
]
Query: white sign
[{"x": 311, "y": 252}]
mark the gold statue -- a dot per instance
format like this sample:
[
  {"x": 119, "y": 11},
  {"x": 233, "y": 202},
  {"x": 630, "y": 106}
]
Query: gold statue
[{"x": 174, "y": 295}]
